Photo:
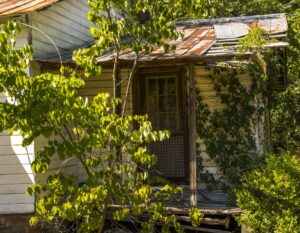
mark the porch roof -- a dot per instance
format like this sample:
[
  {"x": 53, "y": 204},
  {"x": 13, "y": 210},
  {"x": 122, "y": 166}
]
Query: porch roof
[
  {"x": 212, "y": 37},
  {"x": 204, "y": 39}
]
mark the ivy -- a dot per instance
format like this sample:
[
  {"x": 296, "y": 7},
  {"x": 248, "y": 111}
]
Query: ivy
[{"x": 228, "y": 133}]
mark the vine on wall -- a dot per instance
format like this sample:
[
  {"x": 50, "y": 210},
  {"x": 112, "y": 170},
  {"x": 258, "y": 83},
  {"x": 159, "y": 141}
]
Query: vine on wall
[{"x": 228, "y": 133}]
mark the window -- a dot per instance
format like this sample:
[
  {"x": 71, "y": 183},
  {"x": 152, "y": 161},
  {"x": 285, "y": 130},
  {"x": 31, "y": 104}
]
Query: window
[{"x": 162, "y": 102}]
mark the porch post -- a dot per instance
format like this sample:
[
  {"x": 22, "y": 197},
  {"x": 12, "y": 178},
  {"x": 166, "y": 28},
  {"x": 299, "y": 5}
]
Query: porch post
[{"x": 192, "y": 134}]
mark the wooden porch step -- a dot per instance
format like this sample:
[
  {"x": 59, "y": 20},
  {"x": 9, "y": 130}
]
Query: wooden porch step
[{"x": 217, "y": 219}]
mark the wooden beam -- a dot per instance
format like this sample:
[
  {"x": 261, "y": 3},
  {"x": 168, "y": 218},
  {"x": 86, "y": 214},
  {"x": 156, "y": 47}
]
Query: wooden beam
[
  {"x": 185, "y": 210},
  {"x": 192, "y": 134}
]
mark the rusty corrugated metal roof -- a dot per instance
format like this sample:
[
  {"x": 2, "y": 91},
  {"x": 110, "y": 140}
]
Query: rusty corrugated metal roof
[
  {"x": 210, "y": 37},
  {"x": 16, "y": 7},
  {"x": 195, "y": 42},
  {"x": 206, "y": 38}
]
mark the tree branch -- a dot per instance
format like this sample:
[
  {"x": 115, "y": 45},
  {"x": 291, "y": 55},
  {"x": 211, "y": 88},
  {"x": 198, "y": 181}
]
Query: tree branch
[{"x": 132, "y": 72}]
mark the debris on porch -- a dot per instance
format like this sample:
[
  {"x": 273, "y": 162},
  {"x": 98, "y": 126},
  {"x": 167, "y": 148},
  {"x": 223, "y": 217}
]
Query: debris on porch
[{"x": 219, "y": 216}]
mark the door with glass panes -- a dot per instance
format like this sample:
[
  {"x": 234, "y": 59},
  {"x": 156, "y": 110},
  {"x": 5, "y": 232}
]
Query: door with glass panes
[{"x": 163, "y": 100}]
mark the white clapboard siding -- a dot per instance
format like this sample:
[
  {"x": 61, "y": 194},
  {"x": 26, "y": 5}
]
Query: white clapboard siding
[
  {"x": 15, "y": 199},
  {"x": 16, "y": 150},
  {"x": 11, "y": 160},
  {"x": 65, "y": 23},
  {"x": 69, "y": 165},
  {"x": 22, "y": 38},
  {"x": 12, "y": 140},
  {"x": 92, "y": 87},
  {"x": 15, "y": 170},
  {"x": 13, "y": 188},
  {"x": 17, "y": 208},
  {"x": 16, "y": 178},
  {"x": 205, "y": 84}
]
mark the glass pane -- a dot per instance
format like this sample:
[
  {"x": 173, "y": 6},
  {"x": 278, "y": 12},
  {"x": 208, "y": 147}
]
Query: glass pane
[
  {"x": 163, "y": 104},
  {"x": 163, "y": 121},
  {"x": 171, "y": 86},
  {"x": 152, "y": 104},
  {"x": 154, "y": 120},
  {"x": 162, "y": 87},
  {"x": 172, "y": 103},
  {"x": 152, "y": 87},
  {"x": 173, "y": 121}
]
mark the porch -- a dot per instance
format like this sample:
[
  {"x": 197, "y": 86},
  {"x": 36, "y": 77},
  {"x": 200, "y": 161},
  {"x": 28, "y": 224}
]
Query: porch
[{"x": 219, "y": 215}]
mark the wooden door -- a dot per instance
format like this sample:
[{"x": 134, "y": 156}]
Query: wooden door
[{"x": 162, "y": 98}]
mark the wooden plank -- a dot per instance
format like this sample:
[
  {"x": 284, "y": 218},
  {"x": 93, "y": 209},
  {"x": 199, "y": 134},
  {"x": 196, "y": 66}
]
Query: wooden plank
[
  {"x": 67, "y": 24},
  {"x": 17, "y": 208},
  {"x": 15, "y": 169},
  {"x": 208, "y": 221},
  {"x": 14, "y": 188},
  {"x": 79, "y": 8},
  {"x": 209, "y": 210},
  {"x": 16, "y": 159},
  {"x": 202, "y": 229},
  {"x": 94, "y": 91},
  {"x": 16, "y": 179},
  {"x": 9, "y": 199},
  {"x": 16, "y": 150},
  {"x": 97, "y": 83},
  {"x": 64, "y": 15},
  {"x": 192, "y": 135},
  {"x": 11, "y": 140}
]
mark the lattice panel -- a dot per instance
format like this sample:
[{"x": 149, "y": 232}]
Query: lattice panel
[{"x": 170, "y": 156}]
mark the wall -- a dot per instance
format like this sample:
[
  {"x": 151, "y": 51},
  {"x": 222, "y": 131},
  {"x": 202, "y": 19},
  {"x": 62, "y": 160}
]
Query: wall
[
  {"x": 66, "y": 23},
  {"x": 205, "y": 84},
  {"x": 92, "y": 87},
  {"x": 15, "y": 169}
]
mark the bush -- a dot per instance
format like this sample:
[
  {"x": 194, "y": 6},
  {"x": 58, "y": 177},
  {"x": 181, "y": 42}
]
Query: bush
[{"x": 270, "y": 196}]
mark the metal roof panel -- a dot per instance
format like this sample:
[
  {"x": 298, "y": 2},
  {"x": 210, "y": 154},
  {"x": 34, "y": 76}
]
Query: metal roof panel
[
  {"x": 16, "y": 7},
  {"x": 217, "y": 39}
]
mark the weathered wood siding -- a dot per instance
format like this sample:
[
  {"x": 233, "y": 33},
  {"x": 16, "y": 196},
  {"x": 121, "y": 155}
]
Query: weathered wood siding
[
  {"x": 104, "y": 83},
  {"x": 65, "y": 23},
  {"x": 205, "y": 84},
  {"x": 92, "y": 87}
]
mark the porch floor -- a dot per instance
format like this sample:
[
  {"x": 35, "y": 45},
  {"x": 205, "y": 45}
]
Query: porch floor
[{"x": 219, "y": 216}]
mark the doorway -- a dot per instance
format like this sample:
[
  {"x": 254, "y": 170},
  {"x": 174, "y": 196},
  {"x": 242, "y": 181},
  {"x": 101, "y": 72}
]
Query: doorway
[{"x": 162, "y": 98}]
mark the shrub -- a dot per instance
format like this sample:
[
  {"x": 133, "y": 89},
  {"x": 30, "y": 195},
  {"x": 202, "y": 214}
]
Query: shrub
[{"x": 270, "y": 196}]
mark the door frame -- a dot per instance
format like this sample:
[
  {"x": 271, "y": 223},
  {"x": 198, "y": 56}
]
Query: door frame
[{"x": 139, "y": 97}]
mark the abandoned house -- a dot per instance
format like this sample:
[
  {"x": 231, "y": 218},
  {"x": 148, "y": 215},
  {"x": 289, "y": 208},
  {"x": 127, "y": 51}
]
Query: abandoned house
[{"x": 166, "y": 86}]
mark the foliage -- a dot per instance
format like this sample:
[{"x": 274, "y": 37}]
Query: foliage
[
  {"x": 132, "y": 26},
  {"x": 269, "y": 195},
  {"x": 113, "y": 153},
  {"x": 232, "y": 145},
  {"x": 196, "y": 216},
  {"x": 232, "y": 8},
  {"x": 285, "y": 123},
  {"x": 286, "y": 105}
]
